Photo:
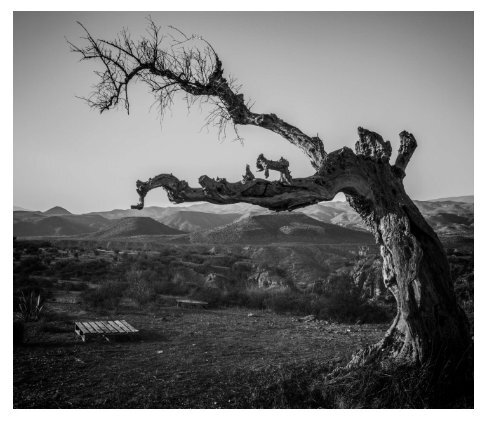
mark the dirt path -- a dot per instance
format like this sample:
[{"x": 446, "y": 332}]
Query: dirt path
[{"x": 184, "y": 358}]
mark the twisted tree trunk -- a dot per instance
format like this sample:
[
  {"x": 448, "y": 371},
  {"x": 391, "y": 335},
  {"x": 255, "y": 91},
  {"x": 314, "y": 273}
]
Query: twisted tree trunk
[{"x": 429, "y": 325}]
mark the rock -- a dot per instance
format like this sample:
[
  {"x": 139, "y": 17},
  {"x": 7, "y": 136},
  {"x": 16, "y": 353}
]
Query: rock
[
  {"x": 309, "y": 318},
  {"x": 159, "y": 351}
]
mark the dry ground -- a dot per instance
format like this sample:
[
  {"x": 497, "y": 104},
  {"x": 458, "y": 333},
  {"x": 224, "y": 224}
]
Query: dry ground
[{"x": 183, "y": 358}]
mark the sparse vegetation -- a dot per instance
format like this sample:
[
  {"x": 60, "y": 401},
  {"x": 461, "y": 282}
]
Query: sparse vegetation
[
  {"x": 372, "y": 386},
  {"x": 106, "y": 296},
  {"x": 153, "y": 280}
]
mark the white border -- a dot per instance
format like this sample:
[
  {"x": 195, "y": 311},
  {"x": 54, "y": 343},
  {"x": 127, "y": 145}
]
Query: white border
[{"x": 485, "y": 189}]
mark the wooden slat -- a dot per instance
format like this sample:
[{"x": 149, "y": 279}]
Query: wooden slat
[
  {"x": 117, "y": 327},
  {"x": 81, "y": 327},
  {"x": 104, "y": 328},
  {"x": 89, "y": 327},
  {"x": 101, "y": 327},
  {"x": 96, "y": 327},
  {"x": 128, "y": 326},
  {"x": 125, "y": 328},
  {"x": 132, "y": 328},
  {"x": 109, "y": 325}
]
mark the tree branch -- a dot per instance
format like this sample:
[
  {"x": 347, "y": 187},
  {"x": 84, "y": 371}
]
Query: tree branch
[
  {"x": 406, "y": 148},
  {"x": 372, "y": 145},
  {"x": 269, "y": 194},
  {"x": 188, "y": 64},
  {"x": 342, "y": 171}
]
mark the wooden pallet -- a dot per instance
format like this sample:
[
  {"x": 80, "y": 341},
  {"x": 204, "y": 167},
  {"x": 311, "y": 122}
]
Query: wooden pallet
[
  {"x": 104, "y": 328},
  {"x": 191, "y": 303}
]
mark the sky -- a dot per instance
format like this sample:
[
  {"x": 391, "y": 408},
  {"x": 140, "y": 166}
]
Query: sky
[{"x": 324, "y": 72}]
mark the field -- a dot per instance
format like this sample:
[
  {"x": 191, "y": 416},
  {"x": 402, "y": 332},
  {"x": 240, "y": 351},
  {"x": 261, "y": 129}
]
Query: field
[
  {"x": 264, "y": 341},
  {"x": 184, "y": 358}
]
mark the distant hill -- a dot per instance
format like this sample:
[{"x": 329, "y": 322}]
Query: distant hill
[
  {"x": 463, "y": 199},
  {"x": 338, "y": 213},
  {"x": 196, "y": 221},
  {"x": 134, "y": 226},
  {"x": 281, "y": 227},
  {"x": 28, "y": 216},
  {"x": 454, "y": 216},
  {"x": 445, "y": 217},
  {"x": 57, "y": 210},
  {"x": 19, "y": 208},
  {"x": 35, "y": 224},
  {"x": 241, "y": 208},
  {"x": 449, "y": 217},
  {"x": 155, "y": 212}
]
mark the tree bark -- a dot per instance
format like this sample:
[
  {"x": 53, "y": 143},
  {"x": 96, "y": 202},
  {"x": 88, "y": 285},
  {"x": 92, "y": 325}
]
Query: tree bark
[{"x": 429, "y": 325}]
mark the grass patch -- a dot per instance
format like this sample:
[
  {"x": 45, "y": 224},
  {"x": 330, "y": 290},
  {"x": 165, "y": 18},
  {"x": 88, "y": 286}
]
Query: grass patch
[{"x": 373, "y": 386}]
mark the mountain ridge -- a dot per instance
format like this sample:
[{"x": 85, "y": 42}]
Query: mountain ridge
[
  {"x": 446, "y": 217},
  {"x": 280, "y": 227},
  {"x": 57, "y": 210},
  {"x": 134, "y": 226}
]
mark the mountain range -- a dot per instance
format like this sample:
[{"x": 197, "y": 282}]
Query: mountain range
[{"x": 324, "y": 222}]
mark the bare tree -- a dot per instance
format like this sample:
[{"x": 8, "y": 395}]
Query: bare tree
[{"x": 429, "y": 325}]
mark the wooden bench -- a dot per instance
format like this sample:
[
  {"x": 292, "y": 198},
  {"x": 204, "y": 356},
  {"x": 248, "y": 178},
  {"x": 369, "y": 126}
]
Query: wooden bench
[
  {"x": 104, "y": 328},
  {"x": 191, "y": 303}
]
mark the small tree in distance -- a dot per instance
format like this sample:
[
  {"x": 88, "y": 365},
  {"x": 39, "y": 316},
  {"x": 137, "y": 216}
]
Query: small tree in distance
[{"x": 429, "y": 326}]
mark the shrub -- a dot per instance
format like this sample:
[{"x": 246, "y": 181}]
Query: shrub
[
  {"x": 31, "y": 306},
  {"x": 88, "y": 270},
  {"x": 31, "y": 265},
  {"x": 166, "y": 286},
  {"x": 140, "y": 286},
  {"x": 105, "y": 296},
  {"x": 341, "y": 306}
]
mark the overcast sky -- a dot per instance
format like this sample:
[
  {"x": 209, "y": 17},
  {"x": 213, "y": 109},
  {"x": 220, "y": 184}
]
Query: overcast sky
[{"x": 326, "y": 73}]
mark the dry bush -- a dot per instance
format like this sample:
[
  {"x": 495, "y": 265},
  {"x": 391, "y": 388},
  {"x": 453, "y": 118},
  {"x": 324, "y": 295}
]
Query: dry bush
[{"x": 106, "y": 296}]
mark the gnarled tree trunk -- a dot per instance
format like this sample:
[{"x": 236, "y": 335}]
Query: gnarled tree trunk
[{"x": 429, "y": 325}]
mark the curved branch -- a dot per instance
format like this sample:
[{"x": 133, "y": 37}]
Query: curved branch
[
  {"x": 269, "y": 194},
  {"x": 189, "y": 64},
  {"x": 342, "y": 171},
  {"x": 407, "y": 147}
]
